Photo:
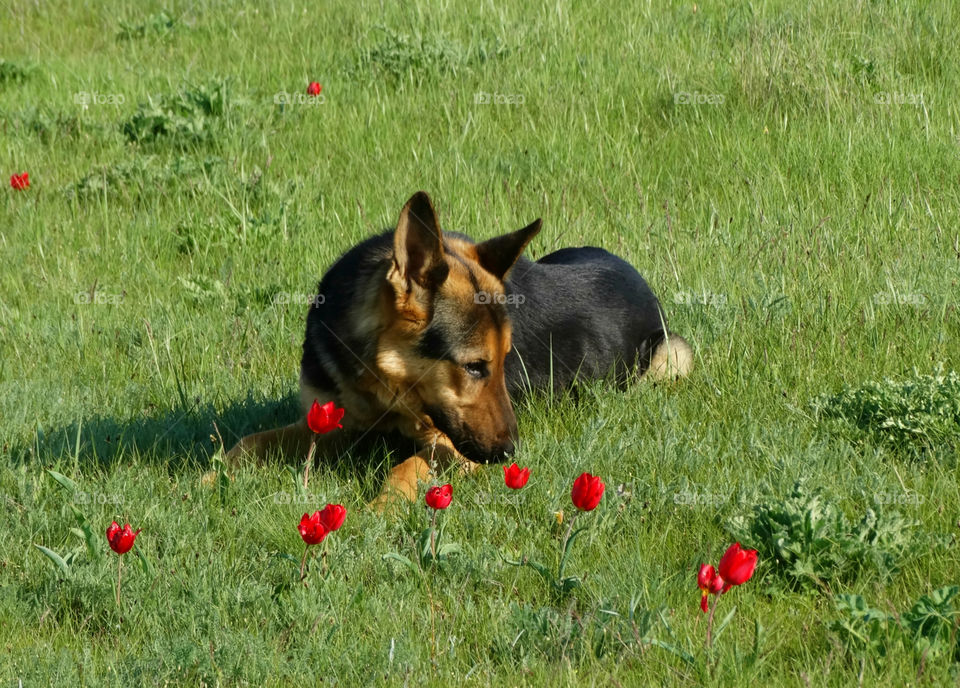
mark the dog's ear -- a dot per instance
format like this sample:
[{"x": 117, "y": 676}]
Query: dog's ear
[
  {"x": 498, "y": 255},
  {"x": 418, "y": 245}
]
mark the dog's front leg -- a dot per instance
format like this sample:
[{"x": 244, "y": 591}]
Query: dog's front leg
[
  {"x": 404, "y": 478},
  {"x": 291, "y": 440}
]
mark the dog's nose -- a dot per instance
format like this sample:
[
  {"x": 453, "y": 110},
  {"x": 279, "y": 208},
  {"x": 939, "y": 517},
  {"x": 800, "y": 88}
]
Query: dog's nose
[
  {"x": 499, "y": 453},
  {"x": 507, "y": 449}
]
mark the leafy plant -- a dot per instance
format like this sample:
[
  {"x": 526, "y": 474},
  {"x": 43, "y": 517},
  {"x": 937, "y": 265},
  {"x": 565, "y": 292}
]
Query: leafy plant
[
  {"x": 430, "y": 550},
  {"x": 862, "y": 630},
  {"x": 931, "y": 624},
  {"x": 810, "y": 542},
  {"x": 911, "y": 415},
  {"x": 84, "y": 532},
  {"x": 202, "y": 289},
  {"x": 559, "y": 584},
  {"x": 193, "y": 114},
  {"x": 13, "y": 73},
  {"x": 399, "y": 55},
  {"x": 159, "y": 24},
  {"x": 929, "y": 628},
  {"x": 542, "y": 632},
  {"x": 553, "y": 634},
  {"x": 50, "y": 125}
]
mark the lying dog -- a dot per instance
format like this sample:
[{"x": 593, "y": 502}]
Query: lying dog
[{"x": 430, "y": 334}]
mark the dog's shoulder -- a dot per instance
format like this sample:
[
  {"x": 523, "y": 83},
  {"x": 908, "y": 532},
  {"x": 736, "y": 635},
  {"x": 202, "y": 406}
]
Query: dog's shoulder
[{"x": 344, "y": 313}]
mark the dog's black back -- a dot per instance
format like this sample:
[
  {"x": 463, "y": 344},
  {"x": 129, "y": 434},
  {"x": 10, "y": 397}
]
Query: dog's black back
[{"x": 579, "y": 313}]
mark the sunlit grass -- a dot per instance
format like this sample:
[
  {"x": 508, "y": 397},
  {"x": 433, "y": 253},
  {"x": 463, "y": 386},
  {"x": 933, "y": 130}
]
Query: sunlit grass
[{"x": 799, "y": 224}]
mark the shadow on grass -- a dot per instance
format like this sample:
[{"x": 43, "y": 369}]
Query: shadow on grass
[
  {"x": 187, "y": 439},
  {"x": 178, "y": 437}
]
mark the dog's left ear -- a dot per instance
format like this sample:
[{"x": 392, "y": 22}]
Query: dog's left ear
[
  {"x": 498, "y": 255},
  {"x": 418, "y": 245}
]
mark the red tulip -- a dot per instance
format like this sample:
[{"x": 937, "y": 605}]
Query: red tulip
[
  {"x": 314, "y": 88},
  {"x": 514, "y": 477},
  {"x": 704, "y": 576},
  {"x": 332, "y": 517},
  {"x": 312, "y": 529},
  {"x": 709, "y": 581},
  {"x": 439, "y": 496},
  {"x": 737, "y": 565},
  {"x": 121, "y": 539},
  {"x": 587, "y": 491},
  {"x": 20, "y": 181},
  {"x": 323, "y": 419}
]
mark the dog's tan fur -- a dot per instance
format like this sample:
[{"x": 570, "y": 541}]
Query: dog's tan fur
[
  {"x": 396, "y": 387},
  {"x": 417, "y": 335}
]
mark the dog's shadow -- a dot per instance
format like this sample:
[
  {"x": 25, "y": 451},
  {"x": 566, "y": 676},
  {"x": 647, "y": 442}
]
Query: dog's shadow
[
  {"x": 178, "y": 437},
  {"x": 188, "y": 438}
]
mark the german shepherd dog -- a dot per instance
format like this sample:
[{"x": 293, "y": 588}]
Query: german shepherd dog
[{"x": 430, "y": 334}]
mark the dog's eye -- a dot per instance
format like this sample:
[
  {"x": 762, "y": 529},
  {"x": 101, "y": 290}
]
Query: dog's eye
[{"x": 476, "y": 369}]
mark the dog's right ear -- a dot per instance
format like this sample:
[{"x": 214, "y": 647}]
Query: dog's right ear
[
  {"x": 419, "y": 266},
  {"x": 498, "y": 255}
]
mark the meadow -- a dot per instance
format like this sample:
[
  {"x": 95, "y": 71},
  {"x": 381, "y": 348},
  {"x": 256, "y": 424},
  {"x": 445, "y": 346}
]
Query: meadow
[{"x": 786, "y": 177}]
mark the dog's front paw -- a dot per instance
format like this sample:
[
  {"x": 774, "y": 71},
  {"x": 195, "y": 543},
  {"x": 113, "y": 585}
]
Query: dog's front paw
[{"x": 466, "y": 467}]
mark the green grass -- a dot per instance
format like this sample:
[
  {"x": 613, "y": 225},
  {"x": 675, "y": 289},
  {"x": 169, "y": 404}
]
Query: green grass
[{"x": 802, "y": 235}]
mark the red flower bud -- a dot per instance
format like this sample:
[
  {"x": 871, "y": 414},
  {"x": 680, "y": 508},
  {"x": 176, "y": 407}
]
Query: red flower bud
[
  {"x": 20, "y": 181},
  {"x": 312, "y": 529},
  {"x": 439, "y": 496},
  {"x": 323, "y": 419},
  {"x": 314, "y": 88},
  {"x": 709, "y": 582},
  {"x": 737, "y": 565},
  {"x": 514, "y": 477},
  {"x": 704, "y": 576},
  {"x": 332, "y": 517},
  {"x": 587, "y": 491},
  {"x": 121, "y": 539}
]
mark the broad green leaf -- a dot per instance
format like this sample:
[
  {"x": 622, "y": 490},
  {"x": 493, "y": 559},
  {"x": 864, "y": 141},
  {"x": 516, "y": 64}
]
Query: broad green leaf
[
  {"x": 55, "y": 558},
  {"x": 65, "y": 482},
  {"x": 402, "y": 559}
]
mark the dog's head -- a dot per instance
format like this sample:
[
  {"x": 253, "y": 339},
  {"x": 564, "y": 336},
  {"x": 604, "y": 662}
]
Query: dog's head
[{"x": 450, "y": 331}]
